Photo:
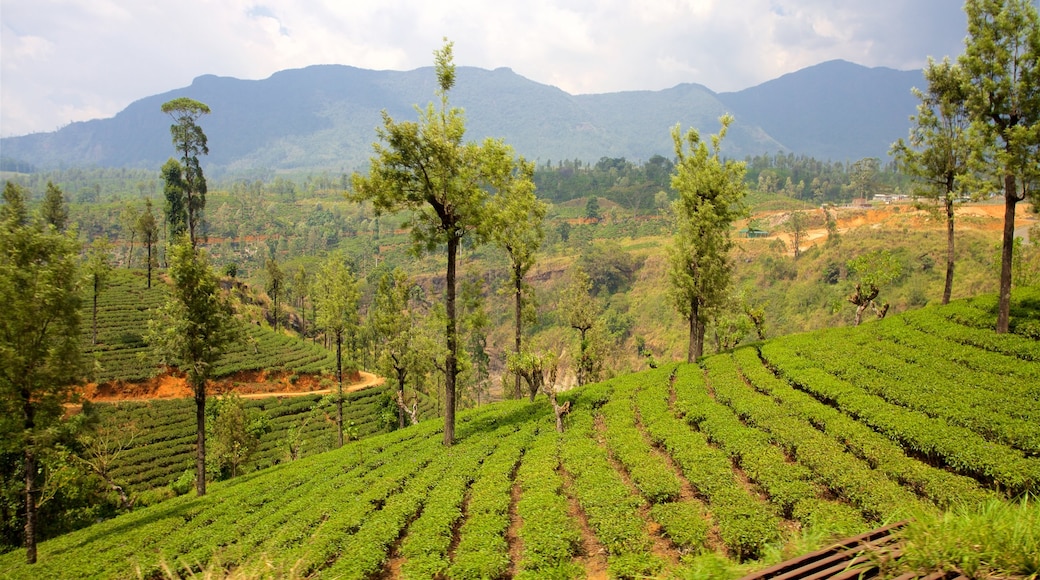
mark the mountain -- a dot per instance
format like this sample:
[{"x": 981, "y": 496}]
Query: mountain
[
  {"x": 834, "y": 110},
  {"x": 325, "y": 116}
]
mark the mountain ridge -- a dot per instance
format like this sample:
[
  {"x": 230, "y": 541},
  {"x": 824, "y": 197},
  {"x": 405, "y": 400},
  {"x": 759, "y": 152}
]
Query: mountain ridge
[{"x": 325, "y": 116}]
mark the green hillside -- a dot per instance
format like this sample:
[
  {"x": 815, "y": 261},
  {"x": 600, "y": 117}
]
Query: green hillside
[
  {"x": 688, "y": 470},
  {"x": 121, "y": 353}
]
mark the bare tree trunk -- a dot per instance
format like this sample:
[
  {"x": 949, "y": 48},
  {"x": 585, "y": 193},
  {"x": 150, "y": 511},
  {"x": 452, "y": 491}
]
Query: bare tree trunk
[
  {"x": 200, "y": 439},
  {"x": 450, "y": 362},
  {"x": 130, "y": 253},
  {"x": 696, "y": 348},
  {"x": 519, "y": 313},
  {"x": 339, "y": 377},
  {"x": 30, "y": 504},
  {"x": 948, "y": 287},
  {"x": 93, "y": 339},
  {"x": 1006, "y": 251},
  {"x": 149, "y": 266},
  {"x": 402, "y": 375}
]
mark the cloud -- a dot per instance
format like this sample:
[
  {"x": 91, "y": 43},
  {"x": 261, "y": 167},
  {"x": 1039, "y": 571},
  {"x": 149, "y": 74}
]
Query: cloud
[{"x": 71, "y": 60}]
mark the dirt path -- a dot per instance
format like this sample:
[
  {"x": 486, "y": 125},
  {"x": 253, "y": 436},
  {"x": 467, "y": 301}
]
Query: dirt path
[{"x": 253, "y": 385}]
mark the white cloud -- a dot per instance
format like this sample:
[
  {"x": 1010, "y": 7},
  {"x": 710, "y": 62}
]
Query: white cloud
[{"x": 69, "y": 60}]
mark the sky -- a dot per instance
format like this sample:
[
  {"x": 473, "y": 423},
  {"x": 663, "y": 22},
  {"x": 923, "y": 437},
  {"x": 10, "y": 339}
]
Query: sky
[{"x": 74, "y": 60}]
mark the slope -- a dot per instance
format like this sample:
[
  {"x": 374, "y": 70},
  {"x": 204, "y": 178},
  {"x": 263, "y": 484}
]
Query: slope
[{"x": 816, "y": 435}]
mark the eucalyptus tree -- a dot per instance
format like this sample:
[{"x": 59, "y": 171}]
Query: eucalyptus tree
[
  {"x": 39, "y": 339},
  {"x": 190, "y": 142},
  {"x": 447, "y": 184},
  {"x": 191, "y": 332},
  {"x": 939, "y": 146},
  {"x": 336, "y": 296},
  {"x": 711, "y": 196},
  {"x": 518, "y": 226},
  {"x": 149, "y": 230},
  {"x": 98, "y": 269},
  {"x": 275, "y": 287},
  {"x": 1001, "y": 62}
]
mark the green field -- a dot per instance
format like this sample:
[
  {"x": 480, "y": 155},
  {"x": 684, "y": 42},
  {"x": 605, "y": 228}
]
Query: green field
[
  {"x": 732, "y": 463},
  {"x": 121, "y": 352}
]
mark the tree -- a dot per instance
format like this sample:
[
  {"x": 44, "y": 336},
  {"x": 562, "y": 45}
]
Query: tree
[
  {"x": 540, "y": 371},
  {"x": 873, "y": 271},
  {"x": 939, "y": 146},
  {"x": 275, "y": 285},
  {"x": 1001, "y": 61},
  {"x": 54, "y": 210},
  {"x": 863, "y": 178},
  {"x": 190, "y": 142},
  {"x": 236, "y": 434},
  {"x": 39, "y": 338},
  {"x": 397, "y": 327},
  {"x": 711, "y": 196},
  {"x": 581, "y": 311},
  {"x": 191, "y": 331},
  {"x": 14, "y": 212},
  {"x": 592, "y": 209},
  {"x": 128, "y": 219},
  {"x": 98, "y": 269},
  {"x": 173, "y": 190},
  {"x": 300, "y": 289},
  {"x": 796, "y": 225},
  {"x": 519, "y": 230},
  {"x": 149, "y": 230},
  {"x": 336, "y": 296},
  {"x": 426, "y": 167}
]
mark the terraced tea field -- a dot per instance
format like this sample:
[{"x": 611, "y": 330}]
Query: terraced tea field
[
  {"x": 121, "y": 353},
  {"x": 658, "y": 474}
]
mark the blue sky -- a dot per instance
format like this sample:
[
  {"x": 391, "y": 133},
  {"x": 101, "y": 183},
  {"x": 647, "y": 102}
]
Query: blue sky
[{"x": 74, "y": 60}]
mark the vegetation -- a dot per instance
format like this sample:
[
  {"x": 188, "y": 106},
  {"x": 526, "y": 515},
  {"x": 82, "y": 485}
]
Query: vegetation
[
  {"x": 39, "y": 350},
  {"x": 807, "y": 436},
  {"x": 185, "y": 183},
  {"x": 191, "y": 332},
  {"x": 1001, "y": 61}
]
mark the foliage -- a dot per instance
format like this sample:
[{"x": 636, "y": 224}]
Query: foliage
[
  {"x": 816, "y": 428},
  {"x": 711, "y": 194},
  {"x": 236, "y": 435},
  {"x": 1001, "y": 63},
  {"x": 185, "y": 182},
  {"x": 192, "y": 331},
  {"x": 39, "y": 350},
  {"x": 426, "y": 168}
]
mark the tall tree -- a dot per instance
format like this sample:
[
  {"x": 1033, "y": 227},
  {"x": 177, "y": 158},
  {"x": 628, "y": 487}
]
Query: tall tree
[
  {"x": 39, "y": 337},
  {"x": 191, "y": 331},
  {"x": 98, "y": 268},
  {"x": 1002, "y": 63},
  {"x": 54, "y": 210},
  {"x": 149, "y": 230},
  {"x": 711, "y": 196},
  {"x": 275, "y": 287},
  {"x": 190, "y": 142},
  {"x": 337, "y": 296},
  {"x": 939, "y": 146},
  {"x": 426, "y": 167},
  {"x": 300, "y": 290},
  {"x": 519, "y": 229}
]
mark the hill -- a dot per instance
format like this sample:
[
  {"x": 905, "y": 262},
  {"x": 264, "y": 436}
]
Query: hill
[
  {"x": 324, "y": 117},
  {"x": 674, "y": 471}
]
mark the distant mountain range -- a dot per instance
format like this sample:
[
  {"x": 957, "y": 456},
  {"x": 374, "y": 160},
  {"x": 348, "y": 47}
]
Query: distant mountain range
[{"x": 325, "y": 116}]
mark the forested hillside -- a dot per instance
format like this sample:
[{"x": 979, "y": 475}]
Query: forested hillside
[{"x": 711, "y": 469}]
